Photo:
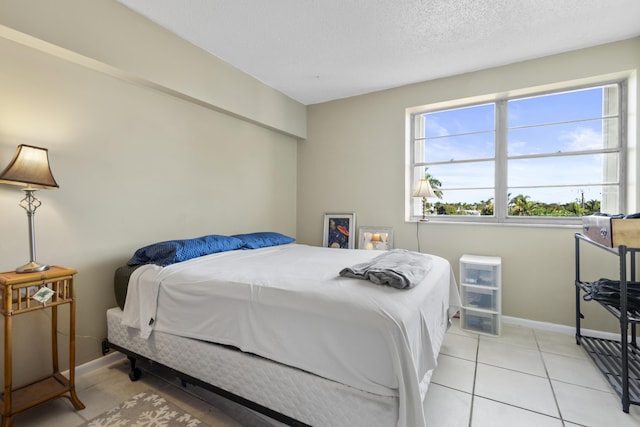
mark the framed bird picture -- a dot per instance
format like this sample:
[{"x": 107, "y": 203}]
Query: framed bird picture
[{"x": 339, "y": 230}]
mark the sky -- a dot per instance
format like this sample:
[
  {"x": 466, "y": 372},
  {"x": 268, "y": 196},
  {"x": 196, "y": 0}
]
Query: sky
[{"x": 565, "y": 122}]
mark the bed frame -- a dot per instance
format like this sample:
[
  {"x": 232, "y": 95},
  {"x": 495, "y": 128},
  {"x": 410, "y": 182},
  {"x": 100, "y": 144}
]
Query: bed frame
[{"x": 135, "y": 374}]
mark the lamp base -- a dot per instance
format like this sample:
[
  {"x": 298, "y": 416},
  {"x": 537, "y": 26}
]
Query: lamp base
[{"x": 31, "y": 267}]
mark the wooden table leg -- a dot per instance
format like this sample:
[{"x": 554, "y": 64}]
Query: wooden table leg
[
  {"x": 8, "y": 372},
  {"x": 72, "y": 354},
  {"x": 54, "y": 338}
]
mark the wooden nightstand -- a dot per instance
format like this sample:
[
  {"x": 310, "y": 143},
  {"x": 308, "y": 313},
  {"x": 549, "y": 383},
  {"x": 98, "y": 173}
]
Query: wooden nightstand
[{"x": 17, "y": 292}]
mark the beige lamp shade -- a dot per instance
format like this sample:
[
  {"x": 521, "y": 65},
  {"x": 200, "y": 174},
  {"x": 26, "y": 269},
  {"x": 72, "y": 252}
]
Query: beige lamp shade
[
  {"x": 29, "y": 167},
  {"x": 424, "y": 189}
]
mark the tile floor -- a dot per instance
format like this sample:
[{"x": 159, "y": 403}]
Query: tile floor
[{"x": 525, "y": 377}]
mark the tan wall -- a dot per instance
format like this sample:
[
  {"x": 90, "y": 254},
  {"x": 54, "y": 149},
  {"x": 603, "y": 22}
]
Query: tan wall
[
  {"x": 135, "y": 163},
  {"x": 120, "y": 41},
  {"x": 150, "y": 139},
  {"x": 354, "y": 161}
]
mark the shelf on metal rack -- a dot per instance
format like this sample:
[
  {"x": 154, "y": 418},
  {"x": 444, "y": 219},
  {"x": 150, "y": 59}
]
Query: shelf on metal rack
[{"x": 607, "y": 355}]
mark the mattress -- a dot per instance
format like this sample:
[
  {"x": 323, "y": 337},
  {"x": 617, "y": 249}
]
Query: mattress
[
  {"x": 288, "y": 305},
  {"x": 308, "y": 398}
]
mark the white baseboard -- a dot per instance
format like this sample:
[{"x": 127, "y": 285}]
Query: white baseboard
[
  {"x": 555, "y": 327},
  {"x": 92, "y": 365}
]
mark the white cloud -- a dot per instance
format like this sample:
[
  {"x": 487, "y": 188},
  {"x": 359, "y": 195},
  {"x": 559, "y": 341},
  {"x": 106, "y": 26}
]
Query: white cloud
[
  {"x": 516, "y": 147},
  {"x": 434, "y": 128},
  {"x": 583, "y": 138}
]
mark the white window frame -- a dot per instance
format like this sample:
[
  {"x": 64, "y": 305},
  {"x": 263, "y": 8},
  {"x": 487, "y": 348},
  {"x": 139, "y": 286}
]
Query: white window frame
[{"x": 412, "y": 210}]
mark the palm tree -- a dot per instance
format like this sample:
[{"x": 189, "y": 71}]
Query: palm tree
[
  {"x": 435, "y": 183},
  {"x": 486, "y": 206},
  {"x": 520, "y": 206},
  {"x": 592, "y": 206}
]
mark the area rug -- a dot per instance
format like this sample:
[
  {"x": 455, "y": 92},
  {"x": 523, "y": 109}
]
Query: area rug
[{"x": 145, "y": 409}]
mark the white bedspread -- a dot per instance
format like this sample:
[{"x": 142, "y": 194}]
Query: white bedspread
[{"x": 288, "y": 303}]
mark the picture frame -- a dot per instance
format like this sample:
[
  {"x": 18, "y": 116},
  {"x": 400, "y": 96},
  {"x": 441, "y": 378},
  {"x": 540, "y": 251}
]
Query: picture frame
[
  {"x": 375, "y": 238},
  {"x": 339, "y": 230}
]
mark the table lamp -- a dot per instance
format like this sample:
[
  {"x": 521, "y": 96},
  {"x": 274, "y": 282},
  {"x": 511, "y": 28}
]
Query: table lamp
[
  {"x": 30, "y": 168},
  {"x": 424, "y": 190}
]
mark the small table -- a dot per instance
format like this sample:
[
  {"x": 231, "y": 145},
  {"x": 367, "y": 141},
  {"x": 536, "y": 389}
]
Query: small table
[{"x": 17, "y": 290}]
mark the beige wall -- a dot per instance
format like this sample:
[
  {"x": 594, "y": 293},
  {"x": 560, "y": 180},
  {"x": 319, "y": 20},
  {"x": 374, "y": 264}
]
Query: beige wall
[
  {"x": 150, "y": 139},
  {"x": 136, "y": 161},
  {"x": 108, "y": 36},
  {"x": 354, "y": 161}
]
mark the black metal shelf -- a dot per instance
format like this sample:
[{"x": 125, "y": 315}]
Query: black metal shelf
[
  {"x": 633, "y": 316},
  {"x": 619, "y": 361},
  {"x": 607, "y": 355}
]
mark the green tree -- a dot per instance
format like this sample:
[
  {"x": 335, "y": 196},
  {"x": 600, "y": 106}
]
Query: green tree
[
  {"x": 435, "y": 183},
  {"x": 520, "y": 206},
  {"x": 486, "y": 207},
  {"x": 591, "y": 207}
]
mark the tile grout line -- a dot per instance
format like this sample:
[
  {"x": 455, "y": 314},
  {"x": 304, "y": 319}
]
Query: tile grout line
[
  {"x": 539, "y": 352},
  {"x": 475, "y": 374},
  {"x": 553, "y": 391}
]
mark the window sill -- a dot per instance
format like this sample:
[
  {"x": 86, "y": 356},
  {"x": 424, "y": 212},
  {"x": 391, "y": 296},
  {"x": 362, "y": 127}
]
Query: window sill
[{"x": 494, "y": 223}]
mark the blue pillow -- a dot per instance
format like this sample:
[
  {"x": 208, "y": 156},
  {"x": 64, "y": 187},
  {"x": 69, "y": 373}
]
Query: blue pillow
[
  {"x": 173, "y": 251},
  {"x": 263, "y": 239}
]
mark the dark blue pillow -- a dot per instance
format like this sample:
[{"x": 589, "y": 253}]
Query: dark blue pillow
[
  {"x": 263, "y": 239},
  {"x": 172, "y": 251}
]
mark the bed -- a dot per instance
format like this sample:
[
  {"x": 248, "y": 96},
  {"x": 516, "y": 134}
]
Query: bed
[{"x": 279, "y": 329}]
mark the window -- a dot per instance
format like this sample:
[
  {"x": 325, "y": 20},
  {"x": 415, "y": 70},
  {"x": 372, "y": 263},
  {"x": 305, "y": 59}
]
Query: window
[{"x": 548, "y": 158}]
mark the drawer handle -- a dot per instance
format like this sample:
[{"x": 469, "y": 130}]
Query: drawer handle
[{"x": 603, "y": 232}]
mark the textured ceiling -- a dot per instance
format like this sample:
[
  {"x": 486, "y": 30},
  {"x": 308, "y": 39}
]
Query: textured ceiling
[{"x": 320, "y": 50}]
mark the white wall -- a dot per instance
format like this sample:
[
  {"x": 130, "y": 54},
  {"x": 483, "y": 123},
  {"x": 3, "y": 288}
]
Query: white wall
[
  {"x": 354, "y": 161},
  {"x": 137, "y": 161}
]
